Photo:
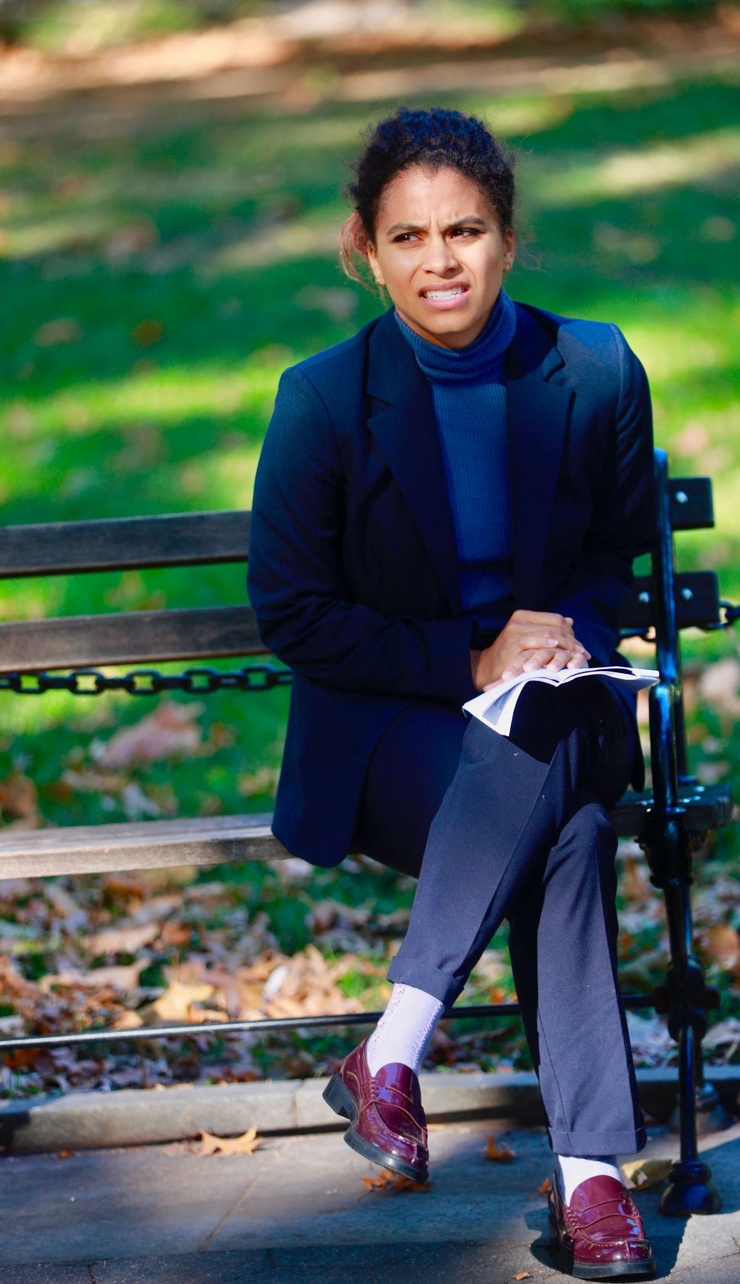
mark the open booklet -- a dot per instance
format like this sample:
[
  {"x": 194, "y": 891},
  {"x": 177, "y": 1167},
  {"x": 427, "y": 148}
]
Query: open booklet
[{"x": 496, "y": 707}]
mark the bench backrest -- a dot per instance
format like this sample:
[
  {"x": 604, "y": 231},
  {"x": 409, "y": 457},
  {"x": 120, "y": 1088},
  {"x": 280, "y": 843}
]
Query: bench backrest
[{"x": 192, "y": 539}]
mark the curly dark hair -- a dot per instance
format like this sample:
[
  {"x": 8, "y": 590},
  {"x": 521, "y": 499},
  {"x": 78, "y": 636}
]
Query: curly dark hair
[{"x": 435, "y": 138}]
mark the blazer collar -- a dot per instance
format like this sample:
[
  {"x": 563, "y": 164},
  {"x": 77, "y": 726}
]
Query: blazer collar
[{"x": 403, "y": 425}]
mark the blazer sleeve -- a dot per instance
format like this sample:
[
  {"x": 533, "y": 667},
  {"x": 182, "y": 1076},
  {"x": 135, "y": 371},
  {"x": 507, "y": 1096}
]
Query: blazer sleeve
[
  {"x": 304, "y": 607},
  {"x": 623, "y": 523}
]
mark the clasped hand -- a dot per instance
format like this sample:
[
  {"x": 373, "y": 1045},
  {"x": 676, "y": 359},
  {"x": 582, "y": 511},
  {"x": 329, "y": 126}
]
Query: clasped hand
[{"x": 530, "y": 640}]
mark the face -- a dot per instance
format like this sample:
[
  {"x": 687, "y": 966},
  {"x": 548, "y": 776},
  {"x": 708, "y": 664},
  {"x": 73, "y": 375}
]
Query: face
[{"x": 440, "y": 253}]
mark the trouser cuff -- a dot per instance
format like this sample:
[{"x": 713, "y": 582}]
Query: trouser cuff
[
  {"x": 443, "y": 987},
  {"x": 584, "y": 1145}
]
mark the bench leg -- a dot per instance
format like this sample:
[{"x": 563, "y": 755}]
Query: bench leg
[{"x": 685, "y": 998}]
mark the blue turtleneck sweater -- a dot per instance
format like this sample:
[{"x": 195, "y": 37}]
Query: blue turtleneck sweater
[{"x": 469, "y": 399}]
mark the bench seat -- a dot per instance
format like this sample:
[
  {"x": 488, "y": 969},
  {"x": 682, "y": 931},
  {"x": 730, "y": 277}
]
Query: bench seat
[{"x": 215, "y": 840}]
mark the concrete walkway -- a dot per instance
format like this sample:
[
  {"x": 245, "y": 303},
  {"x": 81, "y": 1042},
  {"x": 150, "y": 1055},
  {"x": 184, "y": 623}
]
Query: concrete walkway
[{"x": 298, "y": 1211}]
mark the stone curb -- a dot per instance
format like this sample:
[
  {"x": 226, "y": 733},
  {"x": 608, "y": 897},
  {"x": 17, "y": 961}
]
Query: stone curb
[{"x": 132, "y": 1117}]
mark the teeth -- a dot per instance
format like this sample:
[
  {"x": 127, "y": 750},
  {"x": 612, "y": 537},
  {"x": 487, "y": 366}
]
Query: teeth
[{"x": 444, "y": 294}]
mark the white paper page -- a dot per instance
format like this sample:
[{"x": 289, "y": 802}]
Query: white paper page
[{"x": 496, "y": 707}]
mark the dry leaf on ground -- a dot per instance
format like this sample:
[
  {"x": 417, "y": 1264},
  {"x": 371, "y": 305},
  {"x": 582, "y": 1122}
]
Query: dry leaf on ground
[
  {"x": 122, "y": 940},
  {"x": 720, "y": 944},
  {"x": 522, "y": 1275},
  {"x": 498, "y": 1150},
  {"x": 246, "y": 1144},
  {"x": 167, "y": 732},
  {"x": 643, "y": 1173},
  {"x": 177, "y": 1003},
  {"x": 53, "y": 333},
  {"x": 19, "y": 802},
  {"x": 394, "y": 1182}
]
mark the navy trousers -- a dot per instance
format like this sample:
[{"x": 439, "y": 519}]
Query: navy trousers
[{"x": 516, "y": 828}]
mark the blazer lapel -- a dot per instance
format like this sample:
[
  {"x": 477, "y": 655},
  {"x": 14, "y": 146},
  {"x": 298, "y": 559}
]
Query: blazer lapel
[
  {"x": 537, "y": 416},
  {"x": 403, "y": 425}
]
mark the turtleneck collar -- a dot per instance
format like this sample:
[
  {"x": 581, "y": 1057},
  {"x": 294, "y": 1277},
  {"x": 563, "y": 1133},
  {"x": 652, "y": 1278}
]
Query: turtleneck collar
[{"x": 478, "y": 359}]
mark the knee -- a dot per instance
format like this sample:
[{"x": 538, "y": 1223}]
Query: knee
[{"x": 588, "y": 843}]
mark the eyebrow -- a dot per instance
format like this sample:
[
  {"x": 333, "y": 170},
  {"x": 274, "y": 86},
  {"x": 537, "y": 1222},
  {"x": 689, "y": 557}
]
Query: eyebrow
[{"x": 419, "y": 227}]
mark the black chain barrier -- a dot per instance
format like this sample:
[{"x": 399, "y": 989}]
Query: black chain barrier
[
  {"x": 148, "y": 682},
  {"x": 204, "y": 681}
]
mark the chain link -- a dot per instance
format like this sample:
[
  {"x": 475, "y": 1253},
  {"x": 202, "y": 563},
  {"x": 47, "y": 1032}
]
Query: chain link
[{"x": 148, "y": 682}]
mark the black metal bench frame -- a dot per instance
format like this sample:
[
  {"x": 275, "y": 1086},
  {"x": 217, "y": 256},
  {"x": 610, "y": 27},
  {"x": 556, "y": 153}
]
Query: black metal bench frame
[{"x": 668, "y": 821}]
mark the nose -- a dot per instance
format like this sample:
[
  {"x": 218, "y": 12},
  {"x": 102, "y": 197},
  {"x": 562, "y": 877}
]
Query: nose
[{"x": 440, "y": 258}]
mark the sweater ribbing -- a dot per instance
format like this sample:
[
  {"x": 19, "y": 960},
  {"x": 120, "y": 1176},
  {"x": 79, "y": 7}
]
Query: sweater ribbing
[{"x": 469, "y": 401}]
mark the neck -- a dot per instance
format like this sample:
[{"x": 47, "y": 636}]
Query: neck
[{"x": 479, "y": 359}]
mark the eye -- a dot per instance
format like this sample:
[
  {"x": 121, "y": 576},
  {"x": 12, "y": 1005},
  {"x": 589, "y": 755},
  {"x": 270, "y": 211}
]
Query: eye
[
  {"x": 465, "y": 231},
  {"x": 403, "y": 238}
]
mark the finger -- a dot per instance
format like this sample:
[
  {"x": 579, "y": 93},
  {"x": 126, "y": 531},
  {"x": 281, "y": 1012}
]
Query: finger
[
  {"x": 549, "y": 640},
  {"x": 552, "y": 659},
  {"x": 538, "y": 660},
  {"x": 578, "y": 662},
  {"x": 558, "y": 662},
  {"x": 541, "y": 617}
]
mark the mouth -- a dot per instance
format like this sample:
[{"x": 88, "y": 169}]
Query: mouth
[{"x": 444, "y": 293}]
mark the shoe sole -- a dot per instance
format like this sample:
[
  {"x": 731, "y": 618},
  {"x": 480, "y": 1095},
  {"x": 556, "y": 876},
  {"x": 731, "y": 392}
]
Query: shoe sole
[
  {"x": 606, "y": 1271},
  {"x": 337, "y": 1095}
]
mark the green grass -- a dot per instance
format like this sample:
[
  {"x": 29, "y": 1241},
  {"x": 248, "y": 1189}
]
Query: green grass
[{"x": 190, "y": 253}]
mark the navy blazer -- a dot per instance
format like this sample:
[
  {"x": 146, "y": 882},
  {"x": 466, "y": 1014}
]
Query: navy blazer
[{"x": 353, "y": 567}]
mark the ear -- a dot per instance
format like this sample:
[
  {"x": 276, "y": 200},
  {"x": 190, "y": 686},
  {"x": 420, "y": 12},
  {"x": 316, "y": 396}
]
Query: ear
[
  {"x": 372, "y": 259},
  {"x": 509, "y": 239}
]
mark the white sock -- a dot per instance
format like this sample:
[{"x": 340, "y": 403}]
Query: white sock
[
  {"x": 572, "y": 1170},
  {"x": 404, "y": 1031}
]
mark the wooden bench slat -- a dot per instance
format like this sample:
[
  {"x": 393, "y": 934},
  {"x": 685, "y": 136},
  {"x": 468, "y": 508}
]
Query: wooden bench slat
[
  {"x": 213, "y": 840},
  {"x": 124, "y": 543},
  {"x": 88, "y": 641},
  {"x": 100, "y": 849}
]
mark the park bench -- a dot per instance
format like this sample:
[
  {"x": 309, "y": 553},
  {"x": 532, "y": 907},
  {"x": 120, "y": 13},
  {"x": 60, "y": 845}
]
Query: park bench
[{"x": 76, "y": 654}]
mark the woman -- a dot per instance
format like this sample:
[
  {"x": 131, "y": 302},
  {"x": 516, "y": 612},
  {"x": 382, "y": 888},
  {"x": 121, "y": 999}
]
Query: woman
[{"x": 452, "y": 497}]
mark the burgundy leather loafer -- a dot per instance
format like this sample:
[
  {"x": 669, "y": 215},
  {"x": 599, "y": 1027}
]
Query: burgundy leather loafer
[
  {"x": 599, "y": 1235},
  {"x": 387, "y": 1121}
]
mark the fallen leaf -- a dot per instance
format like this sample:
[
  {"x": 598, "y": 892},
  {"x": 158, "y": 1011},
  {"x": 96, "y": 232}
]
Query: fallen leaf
[
  {"x": 634, "y": 881},
  {"x": 644, "y": 1173},
  {"x": 19, "y": 802},
  {"x": 70, "y": 185},
  {"x": 177, "y": 1003},
  {"x": 64, "y": 903},
  {"x": 128, "y": 1021},
  {"x": 65, "y": 1154},
  {"x": 53, "y": 333},
  {"x": 122, "y": 940},
  {"x": 498, "y": 1150},
  {"x": 166, "y": 733},
  {"x": 147, "y": 332},
  {"x": 394, "y": 1182},
  {"x": 720, "y": 944},
  {"x": 545, "y": 1187},
  {"x": 175, "y": 934},
  {"x": 244, "y": 1145},
  {"x": 522, "y": 1275},
  {"x": 131, "y": 240}
]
